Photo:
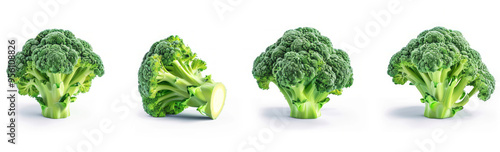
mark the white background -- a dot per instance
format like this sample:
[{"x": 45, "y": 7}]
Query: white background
[{"x": 372, "y": 115}]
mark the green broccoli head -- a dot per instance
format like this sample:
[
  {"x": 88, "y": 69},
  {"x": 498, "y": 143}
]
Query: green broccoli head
[
  {"x": 440, "y": 63},
  {"x": 150, "y": 75},
  {"x": 306, "y": 68},
  {"x": 170, "y": 81},
  {"x": 54, "y": 67}
]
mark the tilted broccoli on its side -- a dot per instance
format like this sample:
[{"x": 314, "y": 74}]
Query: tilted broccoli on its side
[
  {"x": 306, "y": 69},
  {"x": 54, "y": 67},
  {"x": 170, "y": 80},
  {"x": 440, "y": 63}
]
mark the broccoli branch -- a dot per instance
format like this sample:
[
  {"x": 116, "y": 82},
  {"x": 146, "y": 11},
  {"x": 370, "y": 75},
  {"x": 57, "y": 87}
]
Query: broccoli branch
[
  {"x": 183, "y": 72},
  {"x": 467, "y": 97},
  {"x": 305, "y": 101}
]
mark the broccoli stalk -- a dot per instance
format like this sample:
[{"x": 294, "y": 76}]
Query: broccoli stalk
[
  {"x": 443, "y": 86},
  {"x": 53, "y": 68},
  {"x": 209, "y": 98},
  {"x": 56, "y": 95},
  {"x": 440, "y": 64},
  {"x": 172, "y": 81},
  {"x": 305, "y": 101}
]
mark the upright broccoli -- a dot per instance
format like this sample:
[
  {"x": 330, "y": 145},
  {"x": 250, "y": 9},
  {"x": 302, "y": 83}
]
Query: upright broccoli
[
  {"x": 306, "y": 69},
  {"x": 440, "y": 63},
  {"x": 170, "y": 80},
  {"x": 53, "y": 68}
]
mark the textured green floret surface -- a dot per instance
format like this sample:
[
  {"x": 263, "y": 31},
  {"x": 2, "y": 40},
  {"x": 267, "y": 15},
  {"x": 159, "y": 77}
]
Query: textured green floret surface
[
  {"x": 170, "y": 81},
  {"x": 53, "y": 68},
  {"x": 441, "y": 64},
  {"x": 306, "y": 69}
]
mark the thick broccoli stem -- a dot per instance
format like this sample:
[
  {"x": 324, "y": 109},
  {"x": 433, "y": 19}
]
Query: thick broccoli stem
[
  {"x": 307, "y": 110},
  {"x": 438, "y": 110},
  {"x": 443, "y": 85},
  {"x": 54, "y": 98},
  {"x": 305, "y": 101},
  {"x": 185, "y": 84},
  {"x": 444, "y": 107},
  {"x": 446, "y": 86},
  {"x": 443, "y": 93},
  {"x": 56, "y": 90},
  {"x": 209, "y": 98}
]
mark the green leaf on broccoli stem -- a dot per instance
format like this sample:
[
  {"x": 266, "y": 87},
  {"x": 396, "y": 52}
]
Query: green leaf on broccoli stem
[
  {"x": 208, "y": 78},
  {"x": 323, "y": 102},
  {"x": 202, "y": 108},
  {"x": 456, "y": 109},
  {"x": 40, "y": 101},
  {"x": 76, "y": 84},
  {"x": 431, "y": 100},
  {"x": 463, "y": 95},
  {"x": 64, "y": 98},
  {"x": 191, "y": 90}
]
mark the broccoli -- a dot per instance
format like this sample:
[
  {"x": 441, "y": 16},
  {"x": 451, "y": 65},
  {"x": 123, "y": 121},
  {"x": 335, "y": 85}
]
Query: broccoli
[
  {"x": 170, "y": 80},
  {"x": 306, "y": 69},
  {"x": 440, "y": 63},
  {"x": 53, "y": 68}
]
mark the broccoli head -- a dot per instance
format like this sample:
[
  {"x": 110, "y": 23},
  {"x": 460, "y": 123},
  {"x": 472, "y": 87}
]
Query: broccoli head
[
  {"x": 306, "y": 69},
  {"x": 53, "y": 68},
  {"x": 441, "y": 64},
  {"x": 170, "y": 80}
]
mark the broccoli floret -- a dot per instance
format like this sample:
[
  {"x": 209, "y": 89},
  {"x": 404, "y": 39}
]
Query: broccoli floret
[
  {"x": 306, "y": 69},
  {"x": 53, "y": 68},
  {"x": 170, "y": 80},
  {"x": 440, "y": 63}
]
